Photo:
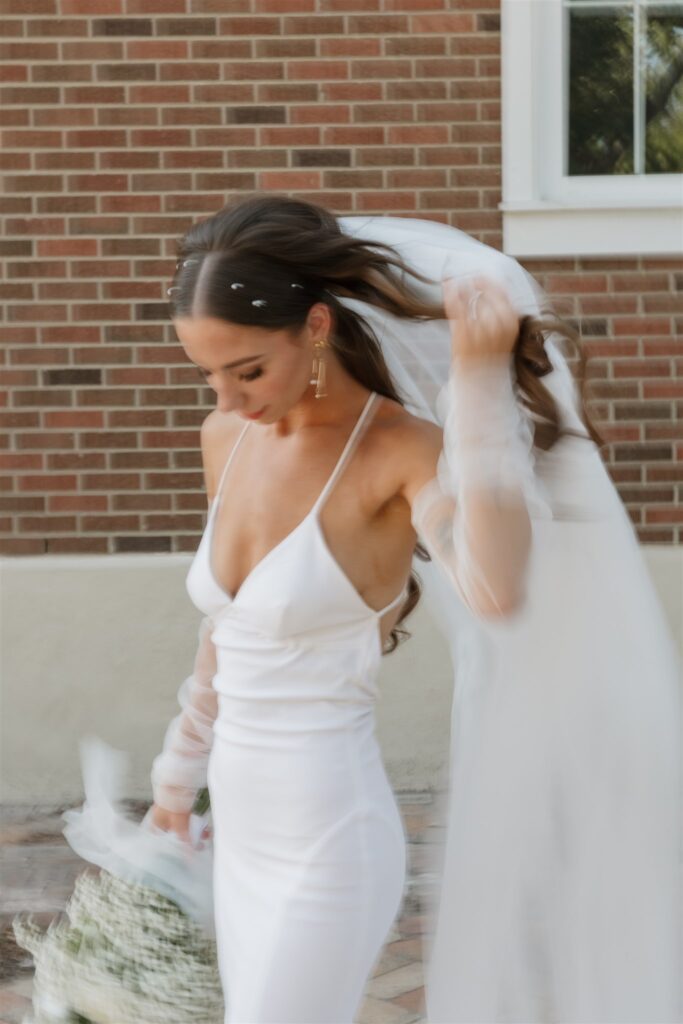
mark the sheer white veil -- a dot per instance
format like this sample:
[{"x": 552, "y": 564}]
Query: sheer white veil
[{"x": 559, "y": 886}]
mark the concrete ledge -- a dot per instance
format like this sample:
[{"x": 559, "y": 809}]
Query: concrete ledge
[{"x": 99, "y": 645}]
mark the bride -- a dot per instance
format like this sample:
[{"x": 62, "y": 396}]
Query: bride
[{"x": 387, "y": 388}]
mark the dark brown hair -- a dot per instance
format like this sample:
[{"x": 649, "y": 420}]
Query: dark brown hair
[{"x": 269, "y": 242}]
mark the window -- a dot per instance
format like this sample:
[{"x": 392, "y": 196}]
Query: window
[{"x": 592, "y": 126}]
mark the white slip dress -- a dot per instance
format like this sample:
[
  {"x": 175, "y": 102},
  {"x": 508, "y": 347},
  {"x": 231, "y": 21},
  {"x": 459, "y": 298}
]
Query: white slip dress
[{"x": 309, "y": 843}]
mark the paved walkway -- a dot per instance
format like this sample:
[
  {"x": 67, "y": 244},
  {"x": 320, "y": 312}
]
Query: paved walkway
[{"x": 38, "y": 870}]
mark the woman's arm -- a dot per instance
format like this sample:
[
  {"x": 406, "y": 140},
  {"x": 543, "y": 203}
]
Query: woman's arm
[
  {"x": 179, "y": 771},
  {"x": 468, "y": 487}
]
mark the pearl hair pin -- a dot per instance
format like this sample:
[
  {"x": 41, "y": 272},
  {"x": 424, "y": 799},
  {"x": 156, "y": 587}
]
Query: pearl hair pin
[{"x": 235, "y": 285}]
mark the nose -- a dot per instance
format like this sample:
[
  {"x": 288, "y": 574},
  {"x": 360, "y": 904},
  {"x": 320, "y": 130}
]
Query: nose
[{"x": 229, "y": 396}]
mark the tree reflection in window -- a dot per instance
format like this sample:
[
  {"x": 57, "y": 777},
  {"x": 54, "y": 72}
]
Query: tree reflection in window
[{"x": 625, "y": 87}]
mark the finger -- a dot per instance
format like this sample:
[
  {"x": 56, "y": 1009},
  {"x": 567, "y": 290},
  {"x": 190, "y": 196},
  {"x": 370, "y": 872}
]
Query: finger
[
  {"x": 453, "y": 293},
  {"x": 496, "y": 294},
  {"x": 460, "y": 297}
]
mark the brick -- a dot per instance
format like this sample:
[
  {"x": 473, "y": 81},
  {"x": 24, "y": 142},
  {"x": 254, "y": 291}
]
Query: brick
[
  {"x": 108, "y": 439},
  {"x": 291, "y": 48},
  {"x": 671, "y": 303},
  {"x": 136, "y": 418},
  {"x": 171, "y": 523},
  {"x": 76, "y": 545},
  {"x": 268, "y": 6},
  {"x": 663, "y": 432},
  {"x": 284, "y": 180},
  {"x": 110, "y": 481},
  {"x": 20, "y": 460},
  {"x": 664, "y": 515},
  {"x": 386, "y": 156},
  {"x": 380, "y": 112},
  {"x": 642, "y": 411},
  {"x": 419, "y": 134},
  {"x": 417, "y": 46},
  {"x": 335, "y": 47},
  {"x": 141, "y": 502},
  {"x": 407, "y": 90},
  {"x": 353, "y": 179},
  {"x": 77, "y": 419},
  {"x": 442, "y": 23},
  {"x": 185, "y": 26},
  {"x": 351, "y": 92},
  {"x": 639, "y": 282},
  {"x": 111, "y": 523},
  {"x": 316, "y": 70},
  {"x": 139, "y": 460},
  {"x": 359, "y": 135},
  {"x": 250, "y": 26},
  {"x": 140, "y": 544},
  {"x": 22, "y": 546},
  {"x": 253, "y": 115},
  {"x": 291, "y": 136},
  {"x": 643, "y": 453},
  {"x": 415, "y": 178},
  {"x": 658, "y": 389},
  {"x": 45, "y": 524},
  {"x": 364, "y": 25},
  {"x": 76, "y": 460},
  {"x": 399, "y": 201},
  {"x": 640, "y": 325},
  {"x": 642, "y": 368},
  {"x": 78, "y": 503},
  {"x": 72, "y": 376}
]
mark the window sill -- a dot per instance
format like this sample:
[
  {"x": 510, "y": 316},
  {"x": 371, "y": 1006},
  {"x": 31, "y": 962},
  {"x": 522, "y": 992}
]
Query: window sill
[{"x": 551, "y": 229}]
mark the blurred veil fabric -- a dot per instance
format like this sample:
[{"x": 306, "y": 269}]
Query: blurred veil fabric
[{"x": 559, "y": 895}]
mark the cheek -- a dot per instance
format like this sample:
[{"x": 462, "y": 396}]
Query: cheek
[{"x": 287, "y": 375}]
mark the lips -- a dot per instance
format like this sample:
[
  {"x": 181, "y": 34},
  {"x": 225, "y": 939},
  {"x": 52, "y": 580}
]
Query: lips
[{"x": 255, "y": 415}]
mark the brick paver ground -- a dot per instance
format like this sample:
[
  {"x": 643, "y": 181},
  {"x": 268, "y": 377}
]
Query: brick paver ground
[{"x": 38, "y": 870}]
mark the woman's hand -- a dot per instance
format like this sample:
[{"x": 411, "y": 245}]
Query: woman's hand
[
  {"x": 171, "y": 821},
  {"x": 177, "y": 822},
  {"x": 484, "y": 324}
]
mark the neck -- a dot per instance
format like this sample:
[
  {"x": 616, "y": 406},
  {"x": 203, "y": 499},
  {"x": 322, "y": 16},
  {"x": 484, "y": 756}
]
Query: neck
[{"x": 343, "y": 401}]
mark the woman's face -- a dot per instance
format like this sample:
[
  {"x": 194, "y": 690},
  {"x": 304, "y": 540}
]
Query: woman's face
[{"x": 258, "y": 373}]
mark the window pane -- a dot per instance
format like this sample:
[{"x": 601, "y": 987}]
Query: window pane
[
  {"x": 664, "y": 91},
  {"x": 600, "y": 91}
]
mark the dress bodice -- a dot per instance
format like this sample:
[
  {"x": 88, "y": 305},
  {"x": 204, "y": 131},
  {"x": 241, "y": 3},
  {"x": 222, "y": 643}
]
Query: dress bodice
[{"x": 295, "y": 606}]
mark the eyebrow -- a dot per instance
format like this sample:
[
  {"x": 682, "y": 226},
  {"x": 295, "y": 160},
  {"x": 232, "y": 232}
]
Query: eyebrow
[{"x": 238, "y": 362}]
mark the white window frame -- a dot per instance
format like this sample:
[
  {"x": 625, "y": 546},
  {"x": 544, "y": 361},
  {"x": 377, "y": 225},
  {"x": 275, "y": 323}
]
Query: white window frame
[{"x": 545, "y": 212}]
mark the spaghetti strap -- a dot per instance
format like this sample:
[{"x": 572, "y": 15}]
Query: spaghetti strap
[
  {"x": 399, "y": 599},
  {"x": 347, "y": 451},
  {"x": 228, "y": 461}
]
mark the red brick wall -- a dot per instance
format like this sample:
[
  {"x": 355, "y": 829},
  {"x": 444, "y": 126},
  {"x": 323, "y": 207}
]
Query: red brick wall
[{"x": 123, "y": 121}]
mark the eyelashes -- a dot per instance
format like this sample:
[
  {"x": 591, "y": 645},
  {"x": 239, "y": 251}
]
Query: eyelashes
[{"x": 251, "y": 375}]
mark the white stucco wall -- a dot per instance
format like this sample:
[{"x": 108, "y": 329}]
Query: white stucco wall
[{"x": 99, "y": 645}]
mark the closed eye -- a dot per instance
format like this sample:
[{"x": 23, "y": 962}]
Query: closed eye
[{"x": 252, "y": 374}]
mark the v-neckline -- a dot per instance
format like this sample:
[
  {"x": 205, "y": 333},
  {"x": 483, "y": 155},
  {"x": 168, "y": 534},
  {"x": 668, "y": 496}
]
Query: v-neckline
[
  {"x": 233, "y": 597},
  {"x": 313, "y": 512}
]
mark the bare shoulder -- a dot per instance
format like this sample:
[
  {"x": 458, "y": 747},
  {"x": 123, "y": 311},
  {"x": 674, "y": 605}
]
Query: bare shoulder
[
  {"x": 409, "y": 445},
  {"x": 218, "y": 432}
]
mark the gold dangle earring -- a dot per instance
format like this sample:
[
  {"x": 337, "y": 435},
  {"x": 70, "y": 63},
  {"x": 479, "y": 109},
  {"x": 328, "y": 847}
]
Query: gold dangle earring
[{"x": 318, "y": 371}]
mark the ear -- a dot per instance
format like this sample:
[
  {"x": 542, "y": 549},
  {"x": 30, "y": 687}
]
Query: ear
[{"x": 320, "y": 320}]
